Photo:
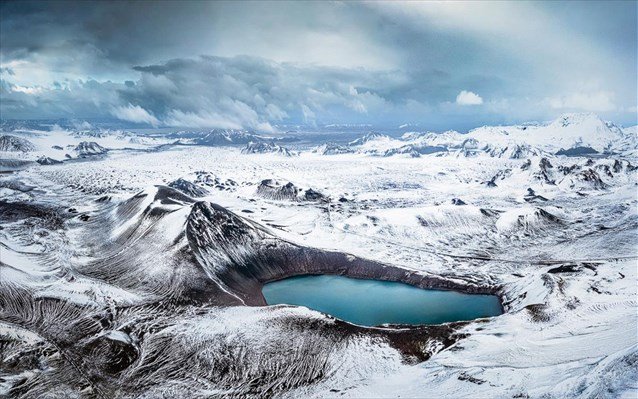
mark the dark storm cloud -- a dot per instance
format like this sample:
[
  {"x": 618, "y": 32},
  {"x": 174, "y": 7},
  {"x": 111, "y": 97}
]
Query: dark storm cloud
[
  {"x": 251, "y": 91},
  {"x": 316, "y": 61}
]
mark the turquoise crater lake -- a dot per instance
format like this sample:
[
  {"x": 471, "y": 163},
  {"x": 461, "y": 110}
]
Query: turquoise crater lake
[{"x": 373, "y": 302}]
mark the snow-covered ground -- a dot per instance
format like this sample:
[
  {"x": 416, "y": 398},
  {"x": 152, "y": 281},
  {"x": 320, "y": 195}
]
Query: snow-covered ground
[{"x": 496, "y": 207}]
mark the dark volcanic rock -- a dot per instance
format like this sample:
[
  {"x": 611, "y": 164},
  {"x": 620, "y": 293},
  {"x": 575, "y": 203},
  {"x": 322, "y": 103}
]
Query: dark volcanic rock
[
  {"x": 577, "y": 151},
  {"x": 13, "y": 164},
  {"x": 590, "y": 176},
  {"x": 188, "y": 276},
  {"x": 312, "y": 195},
  {"x": 112, "y": 353},
  {"x": 543, "y": 214},
  {"x": 333, "y": 149},
  {"x": 564, "y": 269},
  {"x": 272, "y": 189},
  {"x": 48, "y": 161},
  {"x": 531, "y": 196},
  {"x": 216, "y": 137},
  {"x": 16, "y": 185},
  {"x": 188, "y": 188},
  {"x": 89, "y": 148},
  {"x": 605, "y": 169},
  {"x": 490, "y": 212},
  {"x": 414, "y": 150},
  {"x": 265, "y": 148},
  {"x": 247, "y": 256},
  {"x": 43, "y": 213},
  {"x": 544, "y": 172},
  {"x": 15, "y": 144},
  {"x": 566, "y": 170}
]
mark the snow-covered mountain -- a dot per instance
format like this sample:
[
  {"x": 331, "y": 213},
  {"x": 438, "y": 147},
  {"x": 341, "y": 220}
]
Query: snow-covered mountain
[
  {"x": 115, "y": 268},
  {"x": 569, "y": 131},
  {"x": 267, "y": 148},
  {"x": 367, "y": 137},
  {"x": 47, "y": 161},
  {"x": 188, "y": 188},
  {"x": 88, "y": 148},
  {"x": 571, "y": 134},
  {"x": 215, "y": 137},
  {"x": 333, "y": 149},
  {"x": 10, "y": 143}
]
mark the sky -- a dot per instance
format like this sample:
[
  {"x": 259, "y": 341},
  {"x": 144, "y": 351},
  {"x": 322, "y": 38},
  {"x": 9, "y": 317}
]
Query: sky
[{"x": 260, "y": 65}]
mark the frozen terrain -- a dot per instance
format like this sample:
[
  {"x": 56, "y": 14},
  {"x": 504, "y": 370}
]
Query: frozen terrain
[{"x": 131, "y": 263}]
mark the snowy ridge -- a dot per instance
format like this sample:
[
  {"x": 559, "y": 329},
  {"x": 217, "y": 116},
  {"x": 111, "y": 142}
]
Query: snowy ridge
[
  {"x": 264, "y": 148},
  {"x": 15, "y": 144},
  {"x": 88, "y": 148},
  {"x": 570, "y": 134},
  {"x": 115, "y": 268}
]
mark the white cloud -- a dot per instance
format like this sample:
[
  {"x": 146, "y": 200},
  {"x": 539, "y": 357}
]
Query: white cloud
[
  {"x": 468, "y": 98},
  {"x": 27, "y": 89},
  {"x": 600, "y": 101},
  {"x": 135, "y": 114}
]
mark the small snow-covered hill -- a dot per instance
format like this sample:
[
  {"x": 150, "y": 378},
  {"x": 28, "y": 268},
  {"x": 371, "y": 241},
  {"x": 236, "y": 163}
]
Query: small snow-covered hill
[
  {"x": 267, "y": 148},
  {"x": 15, "y": 144}
]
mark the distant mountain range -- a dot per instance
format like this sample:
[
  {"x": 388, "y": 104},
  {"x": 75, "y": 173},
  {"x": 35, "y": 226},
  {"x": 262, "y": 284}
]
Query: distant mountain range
[{"x": 571, "y": 134}]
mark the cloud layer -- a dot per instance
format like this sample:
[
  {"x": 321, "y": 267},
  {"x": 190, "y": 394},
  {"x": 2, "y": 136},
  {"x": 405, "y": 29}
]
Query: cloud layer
[{"x": 258, "y": 64}]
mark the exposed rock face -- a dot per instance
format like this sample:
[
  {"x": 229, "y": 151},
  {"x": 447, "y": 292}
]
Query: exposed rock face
[
  {"x": 216, "y": 137},
  {"x": 577, "y": 151},
  {"x": 590, "y": 176},
  {"x": 15, "y": 144},
  {"x": 367, "y": 137},
  {"x": 531, "y": 196},
  {"x": 212, "y": 181},
  {"x": 537, "y": 221},
  {"x": 195, "y": 279},
  {"x": 275, "y": 190},
  {"x": 545, "y": 172},
  {"x": 244, "y": 256},
  {"x": 265, "y": 148},
  {"x": 14, "y": 164},
  {"x": 89, "y": 148},
  {"x": 312, "y": 195},
  {"x": 188, "y": 188},
  {"x": 272, "y": 189},
  {"x": 522, "y": 151},
  {"x": 48, "y": 161},
  {"x": 333, "y": 149},
  {"x": 500, "y": 175},
  {"x": 414, "y": 150}
]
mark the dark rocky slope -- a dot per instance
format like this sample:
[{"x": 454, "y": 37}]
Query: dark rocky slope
[{"x": 194, "y": 266}]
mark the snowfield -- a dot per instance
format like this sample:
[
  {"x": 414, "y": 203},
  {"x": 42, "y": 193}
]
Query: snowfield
[{"x": 120, "y": 278}]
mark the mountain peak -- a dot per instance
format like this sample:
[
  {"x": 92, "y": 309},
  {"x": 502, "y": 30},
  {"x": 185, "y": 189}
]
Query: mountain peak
[{"x": 574, "y": 118}]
